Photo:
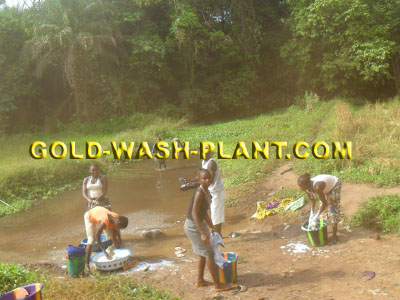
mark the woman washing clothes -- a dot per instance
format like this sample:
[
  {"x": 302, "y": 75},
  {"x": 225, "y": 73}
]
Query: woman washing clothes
[
  {"x": 328, "y": 189},
  {"x": 94, "y": 188},
  {"x": 197, "y": 227}
]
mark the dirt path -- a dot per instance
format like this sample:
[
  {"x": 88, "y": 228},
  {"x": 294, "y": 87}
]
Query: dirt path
[{"x": 269, "y": 268}]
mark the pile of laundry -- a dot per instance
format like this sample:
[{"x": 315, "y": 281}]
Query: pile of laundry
[{"x": 270, "y": 208}]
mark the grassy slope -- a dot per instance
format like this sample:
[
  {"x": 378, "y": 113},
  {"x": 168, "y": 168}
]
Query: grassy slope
[{"x": 373, "y": 129}]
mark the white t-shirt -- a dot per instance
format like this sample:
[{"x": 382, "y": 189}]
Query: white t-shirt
[
  {"x": 330, "y": 182},
  {"x": 94, "y": 189}
]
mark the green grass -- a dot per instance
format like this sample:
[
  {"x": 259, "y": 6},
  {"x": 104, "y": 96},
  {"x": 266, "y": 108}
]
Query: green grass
[
  {"x": 112, "y": 286},
  {"x": 382, "y": 213},
  {"x": 13, "y": 276},
  {"x": 374, "y": 131}
]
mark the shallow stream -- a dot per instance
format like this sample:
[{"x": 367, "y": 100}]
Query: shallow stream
[{"x": 148, "y": 197}]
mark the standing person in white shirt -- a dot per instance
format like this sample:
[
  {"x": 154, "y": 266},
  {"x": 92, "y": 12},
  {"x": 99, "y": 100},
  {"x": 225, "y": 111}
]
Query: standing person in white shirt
[{"x": 328, "y": 189}]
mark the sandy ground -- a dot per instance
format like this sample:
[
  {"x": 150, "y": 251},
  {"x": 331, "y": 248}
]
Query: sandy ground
[{"x": 269, "y": 268}]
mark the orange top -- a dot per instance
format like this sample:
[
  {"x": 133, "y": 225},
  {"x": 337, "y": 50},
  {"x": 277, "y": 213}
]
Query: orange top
[{"x": 99, "y": 214}]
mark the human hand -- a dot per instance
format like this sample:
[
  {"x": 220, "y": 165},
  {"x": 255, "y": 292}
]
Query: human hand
[
  {"x": 212, "y": 229},
  {"x": 205, "y": 238},
  {"x": 310, "y": 219},
  {"x": 88, "y": 267},
  {"x": 107, "y": 255}
]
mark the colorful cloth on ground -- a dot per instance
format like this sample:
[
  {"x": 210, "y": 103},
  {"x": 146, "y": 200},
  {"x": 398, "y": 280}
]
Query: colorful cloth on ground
[
  {"x": 262, "y": 212},
  {"x": 273, "y": 204},
  {"x": 295, "y": 205}
]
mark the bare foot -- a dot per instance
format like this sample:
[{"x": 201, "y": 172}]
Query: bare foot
[
  {"x": 222, "y": 288},
  {"x": 204, "y": 283}
]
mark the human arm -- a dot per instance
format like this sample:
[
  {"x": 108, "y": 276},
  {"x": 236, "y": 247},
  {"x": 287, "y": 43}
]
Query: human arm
[
  {"x": 102, "y": 226},
  {"x": 319, "y": 189},
  {"x": 116, "y": 238},
  {"x": 198, "y": 199},
  {"x": 209, "y": 223}
]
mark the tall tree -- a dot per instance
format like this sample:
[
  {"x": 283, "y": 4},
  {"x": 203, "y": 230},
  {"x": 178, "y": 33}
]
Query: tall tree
[
  {"x": 69, "y": 37},
  {"x": 338, "y": 45}
]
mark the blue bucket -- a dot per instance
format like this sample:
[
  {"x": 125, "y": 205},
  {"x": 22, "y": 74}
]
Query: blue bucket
[
  {"x": 76, "y": 260},
  {"x": 229, "y": 274},
  {"x": 96, "y": 247}
]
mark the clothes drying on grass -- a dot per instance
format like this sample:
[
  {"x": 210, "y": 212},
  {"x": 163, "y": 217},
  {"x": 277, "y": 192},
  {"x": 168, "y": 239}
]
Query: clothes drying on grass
[
  {"x": 295, "y": 205},
  {"x": 262, "y": 210},
  {"x": 215, "y": 241}
]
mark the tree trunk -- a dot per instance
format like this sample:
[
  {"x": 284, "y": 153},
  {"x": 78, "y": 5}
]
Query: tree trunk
[{"x": 396, "y": 73}]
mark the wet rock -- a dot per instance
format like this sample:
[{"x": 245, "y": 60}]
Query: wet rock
[{"x": 152, "y": 234}]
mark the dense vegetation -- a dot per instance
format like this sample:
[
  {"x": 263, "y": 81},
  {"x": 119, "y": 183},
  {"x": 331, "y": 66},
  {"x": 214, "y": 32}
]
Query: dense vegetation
[
  {"x": 13, "y": 276},
  {"x": 381, "y": 212},
  {"x": 89, "y": 60}
]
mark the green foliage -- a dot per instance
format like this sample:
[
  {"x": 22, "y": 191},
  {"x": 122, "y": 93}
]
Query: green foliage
[
  {"x": 90, "y": 60},
  {"x": 336, "y": 44},
  {"x": 111, "y": 286},
  {"x": 381, "y": 212},
  {"x": 68, "y": 37},
  {"x": 13, "y": 276}
]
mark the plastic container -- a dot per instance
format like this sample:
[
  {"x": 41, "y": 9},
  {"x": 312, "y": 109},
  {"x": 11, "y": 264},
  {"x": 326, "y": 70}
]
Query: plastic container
[
  {"x": 76, "y": 260},
  {"x": 76, "y": 265},
  {"x": 34, "y": 292},
  {"x": 121, "y": 257},
  {"x": 96, "y": 248},
  {"x": 229, "y": 274},
  {"x": 317, "y": 237}
]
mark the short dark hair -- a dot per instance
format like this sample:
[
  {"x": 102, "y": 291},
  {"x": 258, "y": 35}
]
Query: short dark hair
[
  {"x": 123, "y": 222},
  {"x": 304, "y": 179},
  {"x": 94, "y": 165}
]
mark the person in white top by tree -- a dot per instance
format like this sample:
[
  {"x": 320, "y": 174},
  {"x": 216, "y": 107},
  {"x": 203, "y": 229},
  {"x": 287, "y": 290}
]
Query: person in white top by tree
[{"x": 328, "y": 189}]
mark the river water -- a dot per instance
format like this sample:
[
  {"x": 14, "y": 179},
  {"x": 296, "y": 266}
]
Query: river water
[{"x": 148, "y": 197}]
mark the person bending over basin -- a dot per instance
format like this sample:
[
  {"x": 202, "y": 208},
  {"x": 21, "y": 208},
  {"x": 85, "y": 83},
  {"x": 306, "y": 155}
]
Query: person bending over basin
[
  {"x": 98, "y": 219},
  {"x": 328, "y": 189}
]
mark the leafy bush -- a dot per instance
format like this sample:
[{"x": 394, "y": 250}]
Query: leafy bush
[
  {"x": 13, "y": 276},
  {"x": 381, "y": 212}
]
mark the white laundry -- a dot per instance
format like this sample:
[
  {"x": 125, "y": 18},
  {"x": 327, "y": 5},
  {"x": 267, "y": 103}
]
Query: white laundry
[
  {"x": 215, "y": 241},
  {"x": 313, "y": 220}
]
